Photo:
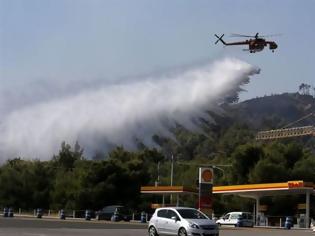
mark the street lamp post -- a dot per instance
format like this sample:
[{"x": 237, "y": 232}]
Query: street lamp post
[
  {"x": 172, "y": 169},
  {"x": 157, "y": 182},
  {"x": 172, "y": 175}
]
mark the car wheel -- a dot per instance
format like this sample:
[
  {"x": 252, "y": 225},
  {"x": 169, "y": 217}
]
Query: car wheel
[
  {"x": 152, "y": 231},
  {"x": 182, "y": 232},
  {"x": 219, "y": 224}
]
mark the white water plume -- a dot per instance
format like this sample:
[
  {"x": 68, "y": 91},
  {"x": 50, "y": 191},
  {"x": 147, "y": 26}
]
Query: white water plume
[{"x": 117, "y": 114}]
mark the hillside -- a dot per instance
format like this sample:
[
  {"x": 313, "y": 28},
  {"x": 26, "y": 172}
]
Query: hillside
[
  {"x": 275, "y": 111},
  {"x": 240, "y": 122}
]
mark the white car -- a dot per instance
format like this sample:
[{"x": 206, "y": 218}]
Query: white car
[
  {"x": 237, "y": 219},
  {"x": 181, "y": 221}
]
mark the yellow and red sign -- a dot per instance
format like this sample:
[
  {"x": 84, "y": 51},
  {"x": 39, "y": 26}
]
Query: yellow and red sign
[
  {"x": 205, "y": 175},
  {"x": 205, "y": 189},
  {"x": 295, "y": 184}
]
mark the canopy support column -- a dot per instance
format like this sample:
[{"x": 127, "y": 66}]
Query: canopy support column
[
  {"x": 257, "y": 210},
  {"x": 307, "y": 210}
]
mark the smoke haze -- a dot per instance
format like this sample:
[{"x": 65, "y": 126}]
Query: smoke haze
[{"x": 100, "y": 117}]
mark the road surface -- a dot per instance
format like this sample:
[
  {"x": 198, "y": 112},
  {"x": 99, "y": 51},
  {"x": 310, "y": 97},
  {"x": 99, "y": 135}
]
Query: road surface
[{"x": 55, "y": 227}]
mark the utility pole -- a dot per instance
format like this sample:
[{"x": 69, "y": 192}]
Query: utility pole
[
  {"x": 172, "y": 174},
  {"x": 172, "y": 169},
  {"x": 157, "y": 182},
  {"x": 158, "y": 169}
]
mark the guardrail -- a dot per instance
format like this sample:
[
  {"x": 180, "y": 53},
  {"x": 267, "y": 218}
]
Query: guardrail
[{"x": 74, "y": 214}]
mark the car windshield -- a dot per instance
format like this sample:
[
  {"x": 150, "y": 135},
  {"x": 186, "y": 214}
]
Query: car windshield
[{"x": 191, "y": 214}]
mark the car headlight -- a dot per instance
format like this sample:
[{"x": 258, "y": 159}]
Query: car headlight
[{"x": 194, "y": 226}]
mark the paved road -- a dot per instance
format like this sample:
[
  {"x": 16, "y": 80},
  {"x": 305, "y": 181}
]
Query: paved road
[
  {"x": 52, "y": 227},
  {"x": 30, "y": 222}
]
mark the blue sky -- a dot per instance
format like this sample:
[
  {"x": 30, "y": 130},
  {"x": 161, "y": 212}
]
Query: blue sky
[{"x": 72, "y": 40}]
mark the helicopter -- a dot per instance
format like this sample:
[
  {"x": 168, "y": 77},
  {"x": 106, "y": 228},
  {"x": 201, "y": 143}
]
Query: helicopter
[{"x": 256, "y": 43}]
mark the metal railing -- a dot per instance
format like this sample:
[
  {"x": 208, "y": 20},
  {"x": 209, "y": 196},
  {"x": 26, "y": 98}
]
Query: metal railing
[
  {"x": 74, "y": 214},
  {"x": 286, "y": 133}
]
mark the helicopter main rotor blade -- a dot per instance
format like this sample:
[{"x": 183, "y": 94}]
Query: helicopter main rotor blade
[
  {"x": 254, "y": 36},
  {"x": 270, "y": 35},
  {"x": 242, "y": 35}
]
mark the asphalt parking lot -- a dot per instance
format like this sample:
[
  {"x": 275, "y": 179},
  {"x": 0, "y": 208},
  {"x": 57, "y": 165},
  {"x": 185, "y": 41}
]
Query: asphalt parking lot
[{"x": 54, "y": 227}]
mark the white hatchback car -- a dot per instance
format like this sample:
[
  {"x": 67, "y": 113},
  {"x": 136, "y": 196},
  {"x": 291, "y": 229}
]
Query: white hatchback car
[
  {"x": 238, "y": 219},
  {"x": 181, "y": 221}
]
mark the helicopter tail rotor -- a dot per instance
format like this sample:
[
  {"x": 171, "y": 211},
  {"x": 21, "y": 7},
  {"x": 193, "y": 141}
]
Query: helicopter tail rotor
[{"x": 219, "y": 39}]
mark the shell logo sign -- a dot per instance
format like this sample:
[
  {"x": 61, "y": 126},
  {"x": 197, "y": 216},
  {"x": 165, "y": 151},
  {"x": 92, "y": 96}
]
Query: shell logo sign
[
  {"x": 295, "y": 184},
  {"x": 206, "y": 175}
]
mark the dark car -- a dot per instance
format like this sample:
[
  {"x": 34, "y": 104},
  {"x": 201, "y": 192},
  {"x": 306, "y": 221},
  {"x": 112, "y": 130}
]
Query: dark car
[{"x": 108, "y": 212}]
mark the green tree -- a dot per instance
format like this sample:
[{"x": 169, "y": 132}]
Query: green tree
[
  {"x": 293, "y": 153},
  {"x": 234, "y": 136},
  {"x": 24, "y": 184},
  {"x": 67, "y": 157},
  {"x": 244, "y": 158},
  {"x": 64, "y": 190},
  {"x": 304, "y": 169},
  {"x": 268, "y": 172}
]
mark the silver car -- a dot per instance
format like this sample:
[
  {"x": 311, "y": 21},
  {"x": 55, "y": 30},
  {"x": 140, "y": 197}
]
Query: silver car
[{"x": 181, "y": 221}]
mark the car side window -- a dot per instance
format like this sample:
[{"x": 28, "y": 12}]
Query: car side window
[
  {"x": 227, "y": 216},
  {"x": 171, "y": 213},
  {"x": 162, "y": 213},
  {"x": 250, "y": 216},
  {"x": 234, "y": 216}
]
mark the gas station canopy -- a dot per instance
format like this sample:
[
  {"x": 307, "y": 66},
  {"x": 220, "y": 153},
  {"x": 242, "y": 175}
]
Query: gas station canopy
[
  {"x": 168, "y": 190},
  {"x": 247, "y": 190},
  {"x": 255, "y": 191},
  {"x": 268, "y": 189}
]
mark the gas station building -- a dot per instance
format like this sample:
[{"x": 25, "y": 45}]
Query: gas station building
[{"x": 253, "y": 191}]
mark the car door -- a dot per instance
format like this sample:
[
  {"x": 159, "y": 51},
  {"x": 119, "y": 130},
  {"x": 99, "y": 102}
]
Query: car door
[
  {"x": 172, "y": 225},
  {"x": 247, "y": 219},
  {"x": 233, "y": 218},
  {"x": 161, "y": 221},
  {"x": 226, "y": 219},
  {"x": 250, "y": 220},
  {"x": 244, "y": 218}
]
